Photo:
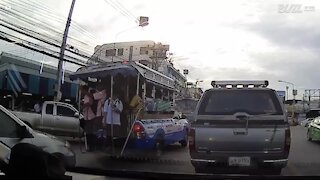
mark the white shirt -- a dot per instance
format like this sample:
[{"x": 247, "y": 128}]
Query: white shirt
[
  {"x": 37, "y": 108},
  {"x": 113, "y": 117}
]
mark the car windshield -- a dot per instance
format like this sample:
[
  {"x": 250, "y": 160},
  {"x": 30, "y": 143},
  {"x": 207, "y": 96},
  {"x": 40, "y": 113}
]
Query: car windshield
[
  {"x": 164, "y": 86},
  {"x": 232, "y": 101}
]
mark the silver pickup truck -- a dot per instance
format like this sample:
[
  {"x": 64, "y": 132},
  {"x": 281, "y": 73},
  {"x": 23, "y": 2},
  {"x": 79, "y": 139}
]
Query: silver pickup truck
[
  {"x": 56, "y": 118},
  {"x": 239, "y": 127}
]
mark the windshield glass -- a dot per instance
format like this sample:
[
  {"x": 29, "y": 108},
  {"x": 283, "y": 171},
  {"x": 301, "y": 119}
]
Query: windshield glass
[
  {"x": 232, "y": 101},
  {"x": 169, "y": 86}
]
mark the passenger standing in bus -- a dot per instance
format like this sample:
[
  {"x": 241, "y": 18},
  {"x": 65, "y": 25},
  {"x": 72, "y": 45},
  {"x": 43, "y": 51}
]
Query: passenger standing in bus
[
  {"x": 89, "y": 117},
  {"x": 100, "y": 97},
  {"x": 112, "y": 109},
  {"x": 136, "y": 104}
]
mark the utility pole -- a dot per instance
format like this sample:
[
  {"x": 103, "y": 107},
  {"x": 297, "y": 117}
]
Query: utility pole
[
  {"x": 63, "y": 47},
  {"x": 287, "y": 91}
]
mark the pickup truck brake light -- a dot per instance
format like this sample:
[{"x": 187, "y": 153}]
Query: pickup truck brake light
[
  {"x": 139, "y": 130},
  {"x": 287, "y": 141},
  {"x": 191, "y": 138}
]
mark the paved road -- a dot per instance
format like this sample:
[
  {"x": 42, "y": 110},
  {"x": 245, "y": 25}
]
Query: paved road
[{"x": 304, "y": 158}]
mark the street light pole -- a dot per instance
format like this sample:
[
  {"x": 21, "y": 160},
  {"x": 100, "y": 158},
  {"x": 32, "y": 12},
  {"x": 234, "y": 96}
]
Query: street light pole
[
  {"x": 287, "y": 90},
  {"x": 294, "y": 98},
  {"x": 63, "y": 47}
]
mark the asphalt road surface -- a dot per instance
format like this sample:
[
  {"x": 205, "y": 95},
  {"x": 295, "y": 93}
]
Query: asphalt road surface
[{"x": 304, "y": 158}]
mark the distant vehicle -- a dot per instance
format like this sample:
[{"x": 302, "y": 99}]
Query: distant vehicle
[
  {"x": 185, "y": 107},
  {"x": 313, "y": 133},
  {"x": 313, "y": 113},
  {"x": 14, "y": 131},
  {"x": 305, "y": 123},
  {"x": 240, "y": 124},
  {"x": 56, "y": 118}
]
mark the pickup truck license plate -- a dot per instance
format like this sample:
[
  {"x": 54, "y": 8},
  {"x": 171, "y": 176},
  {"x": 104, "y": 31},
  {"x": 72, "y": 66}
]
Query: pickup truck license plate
[{"x": 239, "y": 161}]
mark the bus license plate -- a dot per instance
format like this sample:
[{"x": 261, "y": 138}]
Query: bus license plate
[{"x": 239, "y": 161}]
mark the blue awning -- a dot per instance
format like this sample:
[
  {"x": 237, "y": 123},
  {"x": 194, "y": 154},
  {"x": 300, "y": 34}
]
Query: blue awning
[{"x": 35, "y": 84}]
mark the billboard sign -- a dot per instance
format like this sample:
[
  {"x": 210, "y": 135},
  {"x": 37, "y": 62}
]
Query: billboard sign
[{"x": 282, "y": 94}]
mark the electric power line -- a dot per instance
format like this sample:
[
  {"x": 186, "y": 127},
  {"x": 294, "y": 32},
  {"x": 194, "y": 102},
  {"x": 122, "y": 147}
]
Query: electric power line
[
  {"x": 41, "y": 10},
  {"x": 39, "y": 25},
  {"x": 42, "y": 40},
  {"x": 36, "y": 47},
  {"x": 118, "y": 4},
  {"x": 124, "y": 13}
]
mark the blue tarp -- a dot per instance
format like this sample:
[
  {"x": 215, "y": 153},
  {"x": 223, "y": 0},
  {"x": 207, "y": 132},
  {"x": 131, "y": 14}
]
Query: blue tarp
[
  {"x": 34, "y": 84},
  {"x": 101, "y": 72}
]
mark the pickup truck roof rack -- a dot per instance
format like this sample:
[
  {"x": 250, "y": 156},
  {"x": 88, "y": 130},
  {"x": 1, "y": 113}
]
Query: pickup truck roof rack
[{"x": 239, "y": 84}]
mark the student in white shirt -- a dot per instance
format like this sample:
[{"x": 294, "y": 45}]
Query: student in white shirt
[{"x": 112, "y": 110}]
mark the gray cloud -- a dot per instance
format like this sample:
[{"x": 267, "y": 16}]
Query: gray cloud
[
  {"x": 298, "y": 67},
  {"x": 296, "y": 39},
  {"x": 290, "y": 30}
]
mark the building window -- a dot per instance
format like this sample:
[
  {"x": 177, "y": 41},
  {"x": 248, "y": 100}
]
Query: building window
[
  {"x": 110, "y": 52},
  {"x": 143, "y": 50},
  {"x": 120, "y": 52}
]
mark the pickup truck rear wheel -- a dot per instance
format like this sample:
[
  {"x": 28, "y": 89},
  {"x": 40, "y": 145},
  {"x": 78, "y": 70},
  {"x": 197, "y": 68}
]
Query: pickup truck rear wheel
[
  {"x": 184, "y": 142},
  {"x": 200, "y": 169},
  {"x": 159, "y": 147},
  {"x": 308, "y": 136},
  {"x": 273, "y": 171}
]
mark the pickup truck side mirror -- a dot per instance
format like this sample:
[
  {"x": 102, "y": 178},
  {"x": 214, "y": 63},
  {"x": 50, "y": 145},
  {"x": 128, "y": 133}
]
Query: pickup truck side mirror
[
  {"x": 76, "y": 114},
  {"x": 176, "y": 117},
  {"x": 23, "y": 132},
  {"x": 183, "y": 116}
]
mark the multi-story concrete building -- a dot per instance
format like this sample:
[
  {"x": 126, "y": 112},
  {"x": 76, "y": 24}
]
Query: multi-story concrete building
[{"x": 148, "y": 53}]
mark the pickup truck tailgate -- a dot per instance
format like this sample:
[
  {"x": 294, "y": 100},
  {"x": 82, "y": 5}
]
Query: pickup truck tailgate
[{"x": 259, "y": 136}]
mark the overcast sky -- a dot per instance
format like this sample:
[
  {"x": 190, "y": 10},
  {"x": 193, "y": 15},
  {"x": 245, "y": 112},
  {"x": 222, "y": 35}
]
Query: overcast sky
[{"x": 215, "y": 40}]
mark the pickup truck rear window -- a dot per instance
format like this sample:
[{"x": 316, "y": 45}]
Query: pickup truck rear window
[
  {"x": 228, "y": 102},
  {"x": 49, "y": 109}
]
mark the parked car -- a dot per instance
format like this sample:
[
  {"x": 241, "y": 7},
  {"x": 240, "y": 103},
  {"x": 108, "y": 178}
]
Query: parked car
[
  {"x": 240, "y": 124},
  {"x": 14, "y": 131},
  {"x": 313, "y": 132},
  {"x": 56, "y": 118},
  {"x": 305, "y": 123}
]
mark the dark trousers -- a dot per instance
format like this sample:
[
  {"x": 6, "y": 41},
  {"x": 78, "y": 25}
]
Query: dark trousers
[{"x": 89, "y": 129}]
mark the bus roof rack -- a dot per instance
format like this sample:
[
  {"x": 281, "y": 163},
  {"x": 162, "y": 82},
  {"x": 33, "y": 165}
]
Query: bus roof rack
[{"x": 233, "y": 84}]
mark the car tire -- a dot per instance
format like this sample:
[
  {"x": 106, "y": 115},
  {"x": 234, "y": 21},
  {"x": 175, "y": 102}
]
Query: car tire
[
  {"x": 184, "y": 142},
  {"x": 274, "y": 171},
  {"x": 200, "y": 170},
  {"x": 308, "y": 136},
  {"x": 159, "y": 147}
]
